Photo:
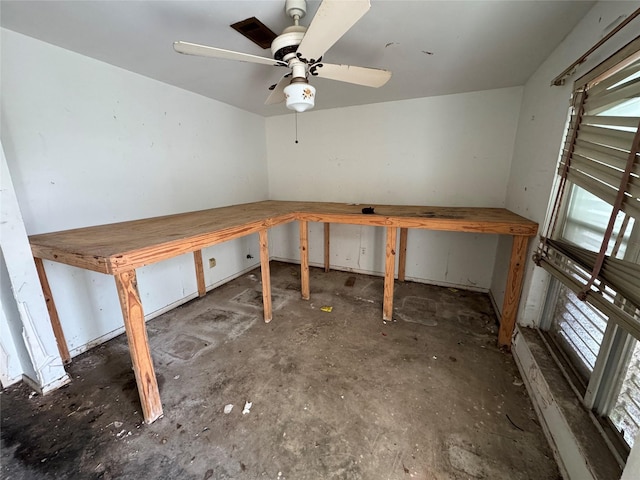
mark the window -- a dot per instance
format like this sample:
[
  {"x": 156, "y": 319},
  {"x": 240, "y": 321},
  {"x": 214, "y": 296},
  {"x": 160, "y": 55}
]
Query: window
[
  {"x": 577, "y": 328},
  {"x": 592, "y": 244},
  {"x": 586, "y": 220}
]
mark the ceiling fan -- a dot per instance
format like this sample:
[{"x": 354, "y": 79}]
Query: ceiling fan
[{"x": 301, "y": 49}]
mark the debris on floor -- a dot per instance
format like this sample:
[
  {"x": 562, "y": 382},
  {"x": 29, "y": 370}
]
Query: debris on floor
[
  {"x": 338, "y": 397},
  {"x": 228, "y": 408},
  {"x": 327, "y": 309},
  {"x": 247, "y": 408}
]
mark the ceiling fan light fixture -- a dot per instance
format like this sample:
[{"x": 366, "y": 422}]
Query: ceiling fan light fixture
[{"x": 300, "y": 96}]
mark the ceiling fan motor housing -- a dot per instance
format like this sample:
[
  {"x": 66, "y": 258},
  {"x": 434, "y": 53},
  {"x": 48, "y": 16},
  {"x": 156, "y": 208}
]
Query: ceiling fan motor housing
[{"x": 284, "y": 46}]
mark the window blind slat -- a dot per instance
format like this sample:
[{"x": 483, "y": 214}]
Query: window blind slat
[
  {"x": 612, "y": 97},
  {"x": 597, "y": 159},
  {"x": 607, "y": 194},
  {"x": 602, "y": 153},
  {"x": 607, "y": 136},
  {"x": 617, "y": 77},
  {"x": 599, "y": 171},
  {"x": 587, "y": 176},
  {"x": 576, "y": 271},
  {"x": 624, "y": 83},
  {"x": 624, "y": 122},
  {"x": 600, "y": 190},
  {"x": 604, "y": 174},
  {"x": 623, "y": 276}
]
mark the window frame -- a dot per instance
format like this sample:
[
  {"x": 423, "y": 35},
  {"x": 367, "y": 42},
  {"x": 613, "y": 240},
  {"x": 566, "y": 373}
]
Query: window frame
[{"x": 598, "y": 393}]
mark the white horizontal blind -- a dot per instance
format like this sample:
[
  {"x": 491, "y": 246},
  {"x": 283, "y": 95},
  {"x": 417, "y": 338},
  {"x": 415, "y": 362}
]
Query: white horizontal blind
[
  {"x": 615, "y": 293},
  {"x": 601, "y": 154},
  {"x": 597, "y": 158}
]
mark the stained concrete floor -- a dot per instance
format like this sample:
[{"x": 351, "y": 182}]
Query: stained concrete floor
[{"x": 336, "y": 395}]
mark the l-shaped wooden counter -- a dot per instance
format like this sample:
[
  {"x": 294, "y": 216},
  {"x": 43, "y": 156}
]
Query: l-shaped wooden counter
[{"x": 118, "y": 249}]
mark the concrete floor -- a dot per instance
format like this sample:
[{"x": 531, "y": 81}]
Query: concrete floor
[{"x": 335, "y": 394}]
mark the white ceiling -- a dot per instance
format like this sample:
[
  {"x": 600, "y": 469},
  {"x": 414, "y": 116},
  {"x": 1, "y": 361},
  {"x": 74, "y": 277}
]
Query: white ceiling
[{"x": 432, "y": 47}]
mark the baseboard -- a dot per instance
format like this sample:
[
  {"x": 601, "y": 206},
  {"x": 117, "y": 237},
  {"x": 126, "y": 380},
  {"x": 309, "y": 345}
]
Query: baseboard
[
  {"x": 340, "y": 268},
  {"x": 156, "y": 313},
  {"x": 8, "y": 381},
  {"x": 50, "y": 387}
]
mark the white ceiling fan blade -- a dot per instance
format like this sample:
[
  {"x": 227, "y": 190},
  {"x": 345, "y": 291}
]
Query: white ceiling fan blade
[
  {"x": 277, "y": 94},
  {"x": 205, "y": 51},
  {"x": 369, "y": 77},
  {"x": 332, "y": 20}
]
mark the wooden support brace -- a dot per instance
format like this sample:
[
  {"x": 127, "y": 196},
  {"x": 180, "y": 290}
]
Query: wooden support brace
[
  {"x": 389, "y": 273},
  {"x": 402, "y": 254},
  {"x": 135, "y": 327},
  {"x": 53, "y": 312},
  {"x": 512, "y": 290},
  {"x": 266, "y": 275},
  {"x": 304, "y": 259},
  {"x": 327, "y": 236},
  {"x": 197, "y": 260}
]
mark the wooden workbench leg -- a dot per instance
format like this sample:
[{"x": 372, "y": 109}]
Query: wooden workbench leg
[
  {"x": 304, "y": 259},
  {"x": 327, "y": 251},
  {"x": 53, "y": 312},
  {"x": 197, "y": 260},
  {"x": 266, "y": 275},
  {"x": 512, "y": 290},
  {"x": 402, "y": 254},
  {"x": 133, "y": 316},
  {"x": 389, "y": 273}
]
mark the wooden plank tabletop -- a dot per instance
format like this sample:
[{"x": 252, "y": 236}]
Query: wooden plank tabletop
[
  {"x": 123, "y": 246},
  {"x": 459, "y": 219}
]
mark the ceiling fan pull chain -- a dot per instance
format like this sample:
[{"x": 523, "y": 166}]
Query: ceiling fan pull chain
[{"x": 296, "y": 127}]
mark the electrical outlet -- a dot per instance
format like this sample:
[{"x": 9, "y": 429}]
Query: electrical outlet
[
  {"x": 363, "y": 251},
  {"x": 212, "y": 262}
]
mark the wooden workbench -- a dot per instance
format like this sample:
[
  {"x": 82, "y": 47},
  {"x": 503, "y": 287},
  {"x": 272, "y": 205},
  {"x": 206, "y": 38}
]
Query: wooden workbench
[{"x": 118, "y": 249}]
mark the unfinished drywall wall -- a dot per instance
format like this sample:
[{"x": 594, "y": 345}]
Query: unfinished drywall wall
[
  {"x": 540, "y": 132},
  {"x": 88, "y": 143},
  {"x": 14, "y": 356},
  {"x": 453, "y": 150},
  {"x": 30, "y": 337}
]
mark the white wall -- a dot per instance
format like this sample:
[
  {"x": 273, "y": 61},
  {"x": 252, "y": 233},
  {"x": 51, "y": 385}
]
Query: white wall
[
  {"x": 88, "y": 143},
  {"x": 632, "y": 467},
  {"x": 14, "y": 356},
  {"x": 452, "y": 150},
  {"x": 541, "y": 127},
  {"x": 29, "y": 347}
]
